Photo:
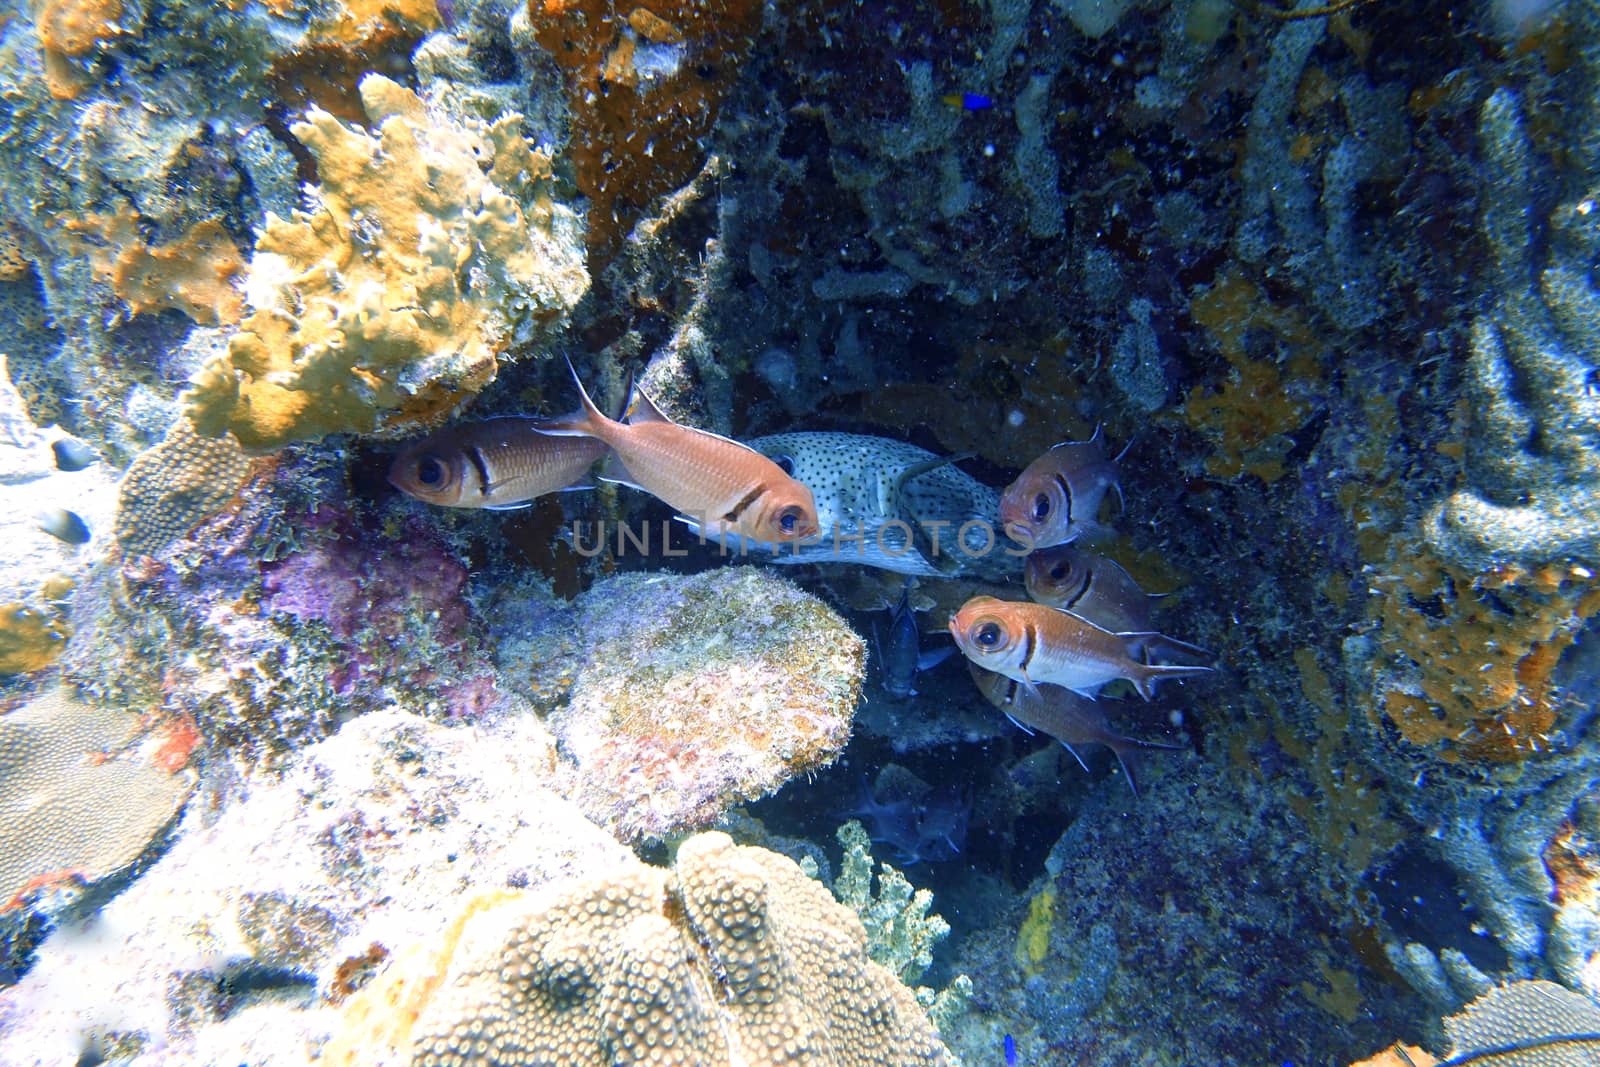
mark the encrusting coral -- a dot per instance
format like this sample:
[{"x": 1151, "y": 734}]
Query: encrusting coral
[
  {"x": 430, "y": 250},
  {"x": 733, "y": 956},
  {"x": 173, "y": 487},
  {"x": 701, "y": 691},
  {"x": 73, "y": 807}
]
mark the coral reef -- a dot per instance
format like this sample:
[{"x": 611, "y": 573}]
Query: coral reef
[
  {"x": 644, "y": 90},
  {"x": 732, "y": 956},
  {"x": 697, "y": 692},
  {"x": 224, "y": 950},
  {"x": 171, "y": 488},
  {"x": 391, "y": 302},
  {"x": 1533, "y": 450},
  {"x": 81, "y": 801}
]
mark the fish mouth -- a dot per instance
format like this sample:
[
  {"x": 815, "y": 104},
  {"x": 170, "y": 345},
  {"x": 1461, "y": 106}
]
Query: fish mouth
[{"x": 1019, "y": 532}]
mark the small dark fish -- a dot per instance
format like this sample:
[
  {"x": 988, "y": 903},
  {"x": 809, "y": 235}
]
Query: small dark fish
[
  {"x": 968, "y": 101},
  {"x": 73, "y": 455},
  {"x": 1069, "y": 718},
  {"x": 67, "y": 525},
  {"x": 1011, "y": 1051},
  {"x": 901, "y": 654},
  {"x": 498, "y": 464}
]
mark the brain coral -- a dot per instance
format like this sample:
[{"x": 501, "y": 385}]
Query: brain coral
[
  {"x": 732, "y": 957},
  {"x": 70, "y": 806},
  {"x": 430, "y": 250},
  {"x": 701, "y": 691}
]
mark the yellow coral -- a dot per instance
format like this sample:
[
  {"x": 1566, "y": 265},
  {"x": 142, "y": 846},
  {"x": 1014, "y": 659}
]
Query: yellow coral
[
  {"x": 29, "y": 641},
  {"x": 1250, "y": 417},
  {"x": 72, "y": 29},
  {"x": 194, "y": 274},
  {"x": 1474, "y": 654},
  {"x": 388, "y": 305},
  {"x": 72, "y": 807},
  {"x": 733, "y": 956},
  {"x": 1033, "y": 939}
]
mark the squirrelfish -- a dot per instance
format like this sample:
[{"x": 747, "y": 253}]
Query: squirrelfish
[
  {"x": 889, "y": 504},
  {"x": 499, "y": 464},
  {"x": 1036, "y": 644},
  {"x": 1069, "y": 718},
  {"x": 716, "y": 484},
  {"x": 1058, "y": 495},
  {"x": 1090, "y": 586}
]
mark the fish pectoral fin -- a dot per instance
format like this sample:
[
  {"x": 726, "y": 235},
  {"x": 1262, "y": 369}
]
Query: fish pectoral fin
[
  {"x": 518, "y": 506},
  {"x": 612, "y": 470},
  {"x": 929, "y": 660}
]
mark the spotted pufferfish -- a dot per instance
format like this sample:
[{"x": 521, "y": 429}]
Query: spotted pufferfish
[{"x": 888, "y": 504}]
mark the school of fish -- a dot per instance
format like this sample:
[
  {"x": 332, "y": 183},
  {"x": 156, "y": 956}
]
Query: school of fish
[{"x": 828, "y": 497}]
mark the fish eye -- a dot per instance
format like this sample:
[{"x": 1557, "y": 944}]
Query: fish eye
[
  {"x": 986, "y": 634},
  {"x": 788, "y": 518},
  {"x": 1058, "y": 572},
  {"x": 1041, "y": 508},
  {"x": 430, "y": 472},
  {"x": 785, "y": 463}
]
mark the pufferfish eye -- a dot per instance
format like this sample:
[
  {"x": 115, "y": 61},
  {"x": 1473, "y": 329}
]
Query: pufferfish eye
[
  {"x": 430, "y": 472},
  {"x": 1041, "y": 508},
  {"x": 986, "y": 634},
  {"x": 1058, "y": 572},
  {"x": 785, "y": 463}
]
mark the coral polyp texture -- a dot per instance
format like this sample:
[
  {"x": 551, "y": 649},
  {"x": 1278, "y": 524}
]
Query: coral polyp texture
[
  {"x": 173, "y": 487},
  {"x": 78, "y": 801},
  {"x": 698, "y": 692},
  {"x": 431, "y": 249},
  {"x": 734, "y": 956}
]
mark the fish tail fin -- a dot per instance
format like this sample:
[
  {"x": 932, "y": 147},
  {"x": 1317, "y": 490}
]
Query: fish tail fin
[
  {"x": 1159, "y": 648},
  {"x": 587, "y": 421},
  {"x": 1144, "y": 676},
  {"x": 641, "y": 408}
]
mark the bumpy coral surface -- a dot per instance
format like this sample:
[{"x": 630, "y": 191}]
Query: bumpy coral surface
[
  {"x": 73, "y": 807},
  {"x": 732, "y": 957},
  {"x": 175, "y": 486},
  {"x": 702, "y": 691},
  {"x": 309, "y": 881},
  {"x": 389, "y": 303}
]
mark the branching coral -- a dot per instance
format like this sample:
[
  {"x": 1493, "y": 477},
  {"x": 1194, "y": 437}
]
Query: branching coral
[
  {"x": 431, "y": 250},
  {"x": 732, "y": 957}
]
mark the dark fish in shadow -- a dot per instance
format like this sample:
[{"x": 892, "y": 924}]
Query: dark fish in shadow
[
  {"x": 1063, "y": 715},
  {"x": 498, "y": 464},
  {"x": 900, "y": 656}
]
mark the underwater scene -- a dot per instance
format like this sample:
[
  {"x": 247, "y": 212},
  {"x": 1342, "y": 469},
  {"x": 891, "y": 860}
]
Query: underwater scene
[{"x": 842, "y": 533}]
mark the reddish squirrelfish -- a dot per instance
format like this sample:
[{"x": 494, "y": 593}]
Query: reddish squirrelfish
[
  {"x": 499, "y": 464},
  {"x": 1067, "y": 717},
  {"x": 720, "y": 485},
  {"x": 1058, "y": 495},
  {"x": 1040, "y": 645},
  {"x": 1090, "y": 586}
]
